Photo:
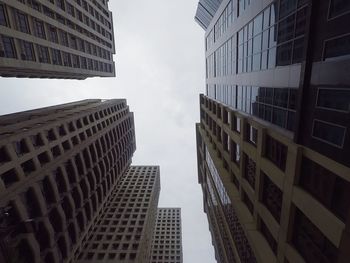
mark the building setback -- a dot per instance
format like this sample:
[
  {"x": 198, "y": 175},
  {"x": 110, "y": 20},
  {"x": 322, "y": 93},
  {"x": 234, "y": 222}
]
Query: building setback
[
  {"x": 69, "y": 39},
  {"x": 273, "y": 140},
  {"x": 59, "y": 169},
  {"x": 167, "y": 237}
]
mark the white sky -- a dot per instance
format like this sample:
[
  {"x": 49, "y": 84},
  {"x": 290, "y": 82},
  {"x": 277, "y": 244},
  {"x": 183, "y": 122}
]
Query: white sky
[{"x": 160, "y": 71}]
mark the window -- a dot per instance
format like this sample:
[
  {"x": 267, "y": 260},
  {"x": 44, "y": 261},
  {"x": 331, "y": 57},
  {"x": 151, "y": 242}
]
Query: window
[
  {"x": 43, "y": 53},
  {"x": 67, "y": 61},
  {"x": 276, "y": 152},
  {"x": 268, "y": 236},
  {"x": 22, "y": 22},
  {"x": 271, "y": 197},
  {"x": 27, "y": 51},
  {"x": 339, "y": 7},
  {"x": 329, "y": 133},
  {"x": 328, "y": 188},
  {"x": 9, "y": 50},
  {"x": 39, "y": 28},
  {"x": 56, "y": 57},
  {"x": 53, "y": 34},
  {"x": 337, "y": 47},
  {"x": 336, "y": 99},
  {"x": 252, "y": 134},
  {"x": 310, "y": 242},
  {"x": 64, "y": 38},
  {"x": 3, "y": 21},
  {"x": 249, "y": 170}
]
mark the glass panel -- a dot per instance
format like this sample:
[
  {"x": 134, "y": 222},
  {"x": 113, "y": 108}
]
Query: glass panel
[
  {"x": 2, "y": 16},
  {"x": 272, "y": 58},
  {"x": 266, "y": 18},
  {"x": 265, "y": 41},
  {"x": 298, "y": 50},
  {"x": 339, "y": 7},
  {"x": 286, "y": 7},
  {"x": 273, "y": 36},
  {"x": 264, "y": 60},
  {"x": 291, "y": 121},
  {"x": 300, "y": 26},
  {"x": 284, "y": 54},
  {"x": 286, "y": 29},
  {"x": 337, "y": 47},
  {"x": 257, "y": 43},
  {"x": 334, "y": 99},
  {"x": 279, "y": 117},
  {"x": 258, "y": 24},
  {"x": 273, "y": 13},
  {"x": 256, "y": 62},
  {"x": 281, "y": 97},
  {"x": 329, "y": 133}
]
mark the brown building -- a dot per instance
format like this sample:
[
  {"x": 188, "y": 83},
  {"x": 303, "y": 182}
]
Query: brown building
[
  {"x": 273, "y": 140},
  {"x": 167, "y": 237},
  {"x": 59, "y": 170},
  {"x": 70, "y": 39}
]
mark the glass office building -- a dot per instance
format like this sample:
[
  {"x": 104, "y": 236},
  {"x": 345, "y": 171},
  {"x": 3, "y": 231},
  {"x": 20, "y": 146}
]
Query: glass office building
[{"x": 273, "y": 141}]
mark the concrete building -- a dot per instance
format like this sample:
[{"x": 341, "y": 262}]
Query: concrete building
[
  {"x": 123, "y": 230},
  {"x": 273, "y": 141},
  {"x": 70, "y": 39},
  {"x": 167, "y": 237},
  {"x": 59, "y": 170}
]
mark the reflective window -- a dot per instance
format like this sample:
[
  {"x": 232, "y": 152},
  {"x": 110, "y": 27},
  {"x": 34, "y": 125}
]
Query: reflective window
[
  {"x": 337, "y": 47},
  {"x": 337, "y": 99},
  {"x": 287, "y": 7},
  {"x": 39, "y": 28},
  {"x": 339, "y": 7},
  {"x": 22, "y": 22},
  {"x": 329, "y": 133},
  {"x": 284, "y": 54},
  {"x": 27, "y": 51},
  {"x": 43, "y": 53},
  {"x": 276, "y": 152},
  {"x": 56, "y": 57}
]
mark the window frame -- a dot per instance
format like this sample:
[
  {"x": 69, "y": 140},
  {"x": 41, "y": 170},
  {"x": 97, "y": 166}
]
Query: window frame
[
  {"x": 325, "y": 141},
  {"x": 330, "y": 109}
]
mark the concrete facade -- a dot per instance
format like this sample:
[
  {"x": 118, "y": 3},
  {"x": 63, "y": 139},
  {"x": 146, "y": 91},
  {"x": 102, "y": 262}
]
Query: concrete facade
[
  {"x": 273, "y": 139},
  {"x": 167, "y": 237},
  {"x": 69, "y": 39}
]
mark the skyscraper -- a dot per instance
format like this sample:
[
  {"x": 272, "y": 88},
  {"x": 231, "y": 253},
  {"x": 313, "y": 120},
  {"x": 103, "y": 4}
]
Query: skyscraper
[
  {"x": 59, "y": 169},
  {"x": 273, "y": 139},
  {"x": 56, "y": 39},
  {"x": 167, "y": 237}
]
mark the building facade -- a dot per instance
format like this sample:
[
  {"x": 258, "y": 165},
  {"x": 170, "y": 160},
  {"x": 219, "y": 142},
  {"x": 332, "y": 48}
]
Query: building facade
[
  {"x": 123, "y": 230},
  {"x": 59, "y": 169},
  {"x": 69, "y": 39},
  {"x": 167, "y": 237},
  {"x": 273, "y": 139}
]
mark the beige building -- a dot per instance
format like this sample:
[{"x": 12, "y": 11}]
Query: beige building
[
  {"x": 167, "y": 237},
  {"x": 70, "y": 39},
  {"x": 59, "y": 170}
]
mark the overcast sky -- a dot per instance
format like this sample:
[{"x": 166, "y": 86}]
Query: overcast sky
[{"x": 160, "y": 71}]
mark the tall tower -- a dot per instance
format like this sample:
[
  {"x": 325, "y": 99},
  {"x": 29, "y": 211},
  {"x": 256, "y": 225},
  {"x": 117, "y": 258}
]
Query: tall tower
[
  {"x": 56, "y": 39},
  {"x": 167, "y": 237},
  {"x": 273, "y": 140},
  {"x": 59, "y": 168}
]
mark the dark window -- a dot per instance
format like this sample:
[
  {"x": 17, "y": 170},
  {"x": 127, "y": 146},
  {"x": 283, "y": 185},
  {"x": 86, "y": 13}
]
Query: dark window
[
  {"x": 252, "y": 134},
  {"x": 56, "y": 57},
  {"x": 76, "y": 62},
  {"x": 337, "y": 99},
  {"x": 284, "y": 54},
  {"x": 268, "y": 236},
  {"x": 310, "y": 242},
  {"x": 64, "y": 38},
  {"x": 271, "y": 197},
  {"x": 286, "y": 29},
  {"x": 9, "y": 47},
  {"x": 249, "y": 170},
  {"x": 235, "y": 152},
  {"x": 39, "y": 28},
  {"x": 10, "y": 177},
  {"x": 67, "y": 61},
  {"x": 248, "y": 203},
  {"x": 53, "y": 34},
  {"x": 287, "y": 7},
  {"x": 337, "y": 47},
  {"x": 339, "y": 7},
  {"x": 4, "y": 157},
  {"x": 43, "y": 53},
  {"x": 276, "y": 152},
  {"x": 27, "y": 51},
  {"x": 22, "y": 22},
  {"x": 3, "y": 21},
  {"x": 328, "y": 188},
  {"x": 298, "y": 50},
  {"x": 329, "y": 133}
]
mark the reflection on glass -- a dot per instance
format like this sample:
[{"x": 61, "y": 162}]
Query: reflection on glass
[
  {"x": 264, "y": 60},
  {"x": 273, "y": 36},
  {"x": 257, "y": 44},
  {"x": 266, "y": 18},
  {"x": 256, "y": 62},
  {"x": 258, "y": 24},
  {"x": 272, "y": 58},
  {"x": 284, "y": 54}
]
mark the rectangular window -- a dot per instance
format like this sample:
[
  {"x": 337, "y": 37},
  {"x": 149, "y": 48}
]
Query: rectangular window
[
  {"x": 334, "y": 99},
  {"x": 328, "y": 188},
  {"x": 276, "y": 152},
  {"x": 67, "y": 61},
  {"x": 8, "y": 47},
  {"x": 43, "y": 53},
  {"x": 329, "y": 133},
  {"x": 251, "y": 134},
  {"x": 3, "y": 21},
  {"x": 272, "y": 197},
  {"x": 22, "y": 22},
  {"x": 339, "y": 7},
  {"x": 53, "y": 34},
  {"x": 39, "y": 28},
  {"x": 249, "y": 170},
  {"x": 268, "y": 236},
  {"x": 310, "y": 242},
  {"x": 27, "y": 51},
  {"x": 337, "y": 47},
  {"x": 56, "y": 57}
]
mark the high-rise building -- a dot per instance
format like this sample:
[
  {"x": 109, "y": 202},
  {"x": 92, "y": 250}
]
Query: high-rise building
[
  {"x": 70, "y": 39},
  {"x": 167, "y": 237},
  {"x": 273, "y": 142},
  {"x": 123, "y": 230},
  {"x": 60, "y": 168}
]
